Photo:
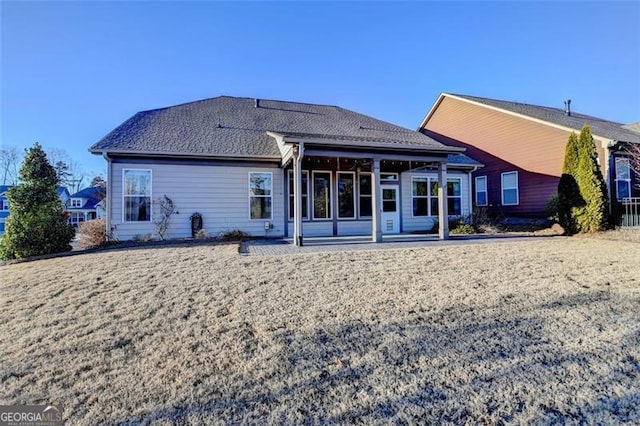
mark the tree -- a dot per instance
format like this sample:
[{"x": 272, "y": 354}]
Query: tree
[
  {"x": 98, "y": 181},
  {"x": 70, "y": 172},
  {"x": 582, "y": 192},
  {"x": 9, "y": 164},
  {"x": 164, "y": 209},
  {"x": 37, "y": 224},
  {"x": 633, "y": 149}
]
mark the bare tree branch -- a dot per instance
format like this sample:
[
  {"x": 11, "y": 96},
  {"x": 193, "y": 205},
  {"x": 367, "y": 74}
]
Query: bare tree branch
[
  {"x": 633, "y": 149},
  {"x": 10, "y": 160}
]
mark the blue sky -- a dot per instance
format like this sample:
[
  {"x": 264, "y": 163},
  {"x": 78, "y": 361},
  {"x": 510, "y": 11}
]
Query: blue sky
[{"x": 73, "y": 71}]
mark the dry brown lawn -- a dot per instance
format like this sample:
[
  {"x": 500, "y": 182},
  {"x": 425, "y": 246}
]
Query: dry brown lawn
[{"x": 513, "y": 332}]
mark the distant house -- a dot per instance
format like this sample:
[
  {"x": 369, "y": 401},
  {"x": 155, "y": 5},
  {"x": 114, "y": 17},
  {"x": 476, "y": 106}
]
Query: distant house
[
  {"x": 280, "y": 168},
  {"x": 522, "y": 148},
  {"x": 63, "y": 194},
  {"x": 84, "y": 205}
]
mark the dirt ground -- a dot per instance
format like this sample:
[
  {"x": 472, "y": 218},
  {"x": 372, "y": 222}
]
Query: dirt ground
[{"x": 519, "y": 332}]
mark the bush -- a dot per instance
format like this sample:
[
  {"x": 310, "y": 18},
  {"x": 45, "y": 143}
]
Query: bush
[
  {"x": 37, "y": 224},
  {"x": 142, "y": 238},
  {"x": 463, "y": 229},
  {"x": 552, "y": 208},
  {"x": 202, "y": 234},
  {"x": 93, "y": 233},
  {"x": 233, "y": 235}
]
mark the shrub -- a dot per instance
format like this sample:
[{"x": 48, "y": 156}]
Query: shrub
[
  {"x": 551, "y": 209},
  {"x": 233, "y": 235},
  {"x": 202, "y": 234},
  {"x": 37, "y": 224},
  {"x": 462, "y": 228},
  {"x": 164, "y": 208},
  {"x": 93, "y": 233},
  {"x": 142, "y": 238}
]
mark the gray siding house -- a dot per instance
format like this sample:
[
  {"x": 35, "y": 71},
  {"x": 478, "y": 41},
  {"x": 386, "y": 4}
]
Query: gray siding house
[{"x": 280, "y": 169}]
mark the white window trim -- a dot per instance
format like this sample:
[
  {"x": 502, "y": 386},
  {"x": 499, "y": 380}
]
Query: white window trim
[
  {"x": 625, "y": 159},
  {"x": 428, "y": 196},
  {"x": 486, "y": 191},
  {"x": 313, "y": 195},
  {"x": 517, "y": 188},
  {"x": 291, "y": 193},
  {"x": 338, "y": 173},
  {"x": 4, "y": 205},
  {"x": 370, "y": 196},
  {"x": 259, "y": 196},
  {"x": 124, "y": 196},
  {"x": 73, "y": 202}
]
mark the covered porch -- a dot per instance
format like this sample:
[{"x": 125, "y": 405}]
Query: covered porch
[{"x": 340, "y": 188}]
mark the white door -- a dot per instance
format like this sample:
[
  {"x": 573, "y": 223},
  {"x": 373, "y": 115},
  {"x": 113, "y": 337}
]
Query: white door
[{"x": 390, "y": 209}]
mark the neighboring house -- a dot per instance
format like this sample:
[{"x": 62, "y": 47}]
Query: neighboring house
[
  {"x": 62, "y": 192},
  {"x": 4, "y": 207},
  {"x": 522, "y": 148},
  {"x": 236, "y": 161},
  {"x": 84, "y": 205}
]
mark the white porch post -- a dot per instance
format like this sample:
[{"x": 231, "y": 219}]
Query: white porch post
[
  {"x": 297, "y": 195},
  {"x": 443, "y": 213},
  {"x": 376, "y": 201}
]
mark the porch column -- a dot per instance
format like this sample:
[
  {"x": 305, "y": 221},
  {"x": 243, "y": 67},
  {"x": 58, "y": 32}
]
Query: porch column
[
  {"x": 443, "y": 211},
  {"x": 376, "y": 201},
  {"x": 297, "y": 196}
]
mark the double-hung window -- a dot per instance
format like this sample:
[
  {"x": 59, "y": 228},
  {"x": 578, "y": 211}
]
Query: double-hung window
[
  {"x": 420, "y": 195},
  {"x": 510, "y": 196},
  {"x": 365, "y": 194},
  {"x": 454, "y": 197},
  {"x": 260, "y": 195},
  {"x": 321, "y": 195},
  {"x": 137, "y": 195},
  {"x": 623, "y": 178},
  {"x": 346, "y": 195},
  {"x": 305, "y": 194},
  {"x": 481, "y": 191},
  {"x": 424, "y": 194},
  {"x": 76, "y": 202}
]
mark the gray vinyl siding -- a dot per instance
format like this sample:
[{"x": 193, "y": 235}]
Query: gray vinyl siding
[
  {"x": 425, "y": 223},
  {"x": 219, "y": 193}
]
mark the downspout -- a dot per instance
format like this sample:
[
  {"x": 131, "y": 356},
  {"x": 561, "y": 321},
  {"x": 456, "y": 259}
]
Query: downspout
[
  {"x": 107, "y": 219},
  {"x": 471, "y": 192}
]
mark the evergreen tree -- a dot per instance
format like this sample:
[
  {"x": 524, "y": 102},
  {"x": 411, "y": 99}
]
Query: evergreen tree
[
  {"x": 570, "y": 201},
  {"x": 37, "y": 224},
  {"x": 594, "y": 215}
]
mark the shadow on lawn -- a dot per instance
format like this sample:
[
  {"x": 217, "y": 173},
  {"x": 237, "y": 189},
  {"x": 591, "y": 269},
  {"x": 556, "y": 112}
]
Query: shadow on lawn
[{"x": 460, "y": 365}]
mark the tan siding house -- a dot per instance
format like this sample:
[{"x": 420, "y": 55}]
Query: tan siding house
[{"x": 521, "y": 144}]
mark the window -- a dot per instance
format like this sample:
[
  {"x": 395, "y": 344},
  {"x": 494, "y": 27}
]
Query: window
[
  {"x": 321, "y": 195},
  {"x": 420, "y": 195},
  {"x": 305, "y": 195},
  {"x": 623, "y": 178},
  {"x": 481, "y": 191},
  {"x": 260, "y": 195},
  {"x": 137, "y": 195},
  {"x": 77, "y": 217},
  {"x": 510, "y": 196},
  {"x": 76, "y": 202},
  {"x": 4, "y": 205},
  {"x": 454, "y": 197},
  {"x": 346, "y": 195},
  {"x": 388, "y": 177},
  {"x": 365, "y": 194}
]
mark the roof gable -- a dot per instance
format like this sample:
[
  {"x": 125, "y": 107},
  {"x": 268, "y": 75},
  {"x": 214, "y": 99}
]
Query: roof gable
[{"x": 551, "y": 116}]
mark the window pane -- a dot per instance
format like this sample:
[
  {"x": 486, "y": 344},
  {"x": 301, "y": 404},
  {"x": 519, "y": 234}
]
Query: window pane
[
  {"x": 365, "y": 184},
  {"x": 623, "y": 189},
  {"x": 510, "y": 196},
  {"x": 434, "y": 188},
  {"x": 305, "y": 191},
  {"x": 346, "y": 206},
  {"x": 420, "y": 206},
  {"x": 260, "y": 183},
  {"x": 420, "y": 186},
  {"x": 137, "y": 209},
  {"x": 453, "y": 188},
  {"x": 454, "y": 206},
  {"x": 388, "y": 206},
  {"x": 365, "y": 206},
  {"x": 622, "y": 168},
  {"x": 481, "y": 184},
  {"x": 434, "y": 207},
  {"x": 509, "y": 180},
  {"x": 321, "y": 195},
  {"x": 137, "y": 182},
  {"x": 260, "y": 207},
  {"x": 481, "y": 198}
]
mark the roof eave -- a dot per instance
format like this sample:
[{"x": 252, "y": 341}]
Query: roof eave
[{"x": 131, "y": 153}]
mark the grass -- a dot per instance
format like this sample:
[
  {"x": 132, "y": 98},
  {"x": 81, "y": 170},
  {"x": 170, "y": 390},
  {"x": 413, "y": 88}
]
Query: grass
[{"x": 516, "y": 332}]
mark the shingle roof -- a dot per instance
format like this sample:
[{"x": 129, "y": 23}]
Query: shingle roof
[
  {"x": 600, "y": 127},
  {"x": 230, "y": 126}
]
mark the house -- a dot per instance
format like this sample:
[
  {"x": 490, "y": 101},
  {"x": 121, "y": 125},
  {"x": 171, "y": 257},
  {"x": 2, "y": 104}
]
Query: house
[
  {"x": 84, "y": 205},
  {"x": 4, "y": 207},
  {"x": 276, "y": 168},
  {"x": 61, "y": 191},
  {"x": 522, "y": 148}
]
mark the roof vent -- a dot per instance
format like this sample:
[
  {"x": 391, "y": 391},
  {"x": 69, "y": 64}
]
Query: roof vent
[
  {"x": 567, "y": 107},
  {"x": 257, "y": 103}
]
